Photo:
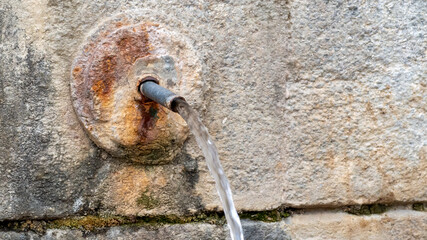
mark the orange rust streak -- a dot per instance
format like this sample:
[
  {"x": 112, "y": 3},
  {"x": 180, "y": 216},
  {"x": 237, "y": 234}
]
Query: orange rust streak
[
  {"x": 134, "y": 44},
  {"x": 141, "y": 122},
  {"x": 149, "y": 118},
  {"x": 105, "y": 76},
  {"x": 111, "y": 64}
]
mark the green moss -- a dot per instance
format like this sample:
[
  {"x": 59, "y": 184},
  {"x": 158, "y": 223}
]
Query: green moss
[
  {"x": 366, "y": 209},
  {"x": 146, "y": 201},
  {"x": 27, "y": 225},
  {"x": 266, "y": 216},
  {"x": 94, "y": 222},
  {"x": 89, "y": 222},
  {"x": 418, "y": 207},
  {"x": 212, "y": 218},
  {"x": 378, "y": 208}
]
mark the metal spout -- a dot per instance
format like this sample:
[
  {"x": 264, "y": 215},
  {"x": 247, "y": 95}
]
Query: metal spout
[{"x": 159, "y": 94}]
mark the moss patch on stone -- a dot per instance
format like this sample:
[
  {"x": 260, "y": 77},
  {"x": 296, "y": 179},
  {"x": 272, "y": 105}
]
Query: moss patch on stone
[
  {"x": 418, "y": 207},
  {"x": 147, "y": 201},
  {"x": 211, "y": 218},
  {"x": 367, "y": 209},
  {"x": 97, "y": 222},
  {"x": 266, "y": 216},
  {"x": 26, "y": 225},
  {"x": 90, "y": 223}
]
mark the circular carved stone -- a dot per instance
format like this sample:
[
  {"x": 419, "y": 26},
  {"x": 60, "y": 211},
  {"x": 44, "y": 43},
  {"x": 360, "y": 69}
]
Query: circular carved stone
[{"x": 104, "y": 88}]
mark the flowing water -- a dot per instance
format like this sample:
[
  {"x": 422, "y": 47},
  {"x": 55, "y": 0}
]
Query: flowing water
[{"x": 210, "y": 151}]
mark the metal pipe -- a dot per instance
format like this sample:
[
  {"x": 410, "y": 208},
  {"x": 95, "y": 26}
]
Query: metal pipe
[{"x": 159, "y": 94}]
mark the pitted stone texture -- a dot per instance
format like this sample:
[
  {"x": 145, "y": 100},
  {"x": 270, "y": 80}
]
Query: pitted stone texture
[
  {"x": 46, "y": 161},
  {"x": 311, "y": 103},
  {"x": 354, "y": 118},
  {"x": 148, "y": 190},
  {"x": 396, "y": 224},
  {"x": 321, "y": 103},
  {"x": 104, "y": 87}
]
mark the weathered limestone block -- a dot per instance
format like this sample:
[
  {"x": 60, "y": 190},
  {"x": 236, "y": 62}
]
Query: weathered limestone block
[
  {"x": 322, "y": 103},
  {"x": 354, "y": 118},
  {"x": 311, "y": 103},
  {"x": 47, "y": 164},
  {"x": 397, "y": 224}
]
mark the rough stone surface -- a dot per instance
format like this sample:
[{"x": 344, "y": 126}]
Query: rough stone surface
[
  {"x": 311, "y": 103},
  {"x": 199, "y": 231},
  {"x": 47, "y": 162},
  {"x": 395, "y": 224},
  {"x": 354, "y": 114}
]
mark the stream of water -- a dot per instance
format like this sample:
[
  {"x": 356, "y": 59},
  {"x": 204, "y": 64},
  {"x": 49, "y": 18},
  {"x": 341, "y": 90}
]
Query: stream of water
[{"x": 210, "y": 151}]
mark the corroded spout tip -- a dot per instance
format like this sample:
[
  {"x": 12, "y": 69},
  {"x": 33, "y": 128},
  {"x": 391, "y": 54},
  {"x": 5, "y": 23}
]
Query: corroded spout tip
[{"x": 152, "y": 90}]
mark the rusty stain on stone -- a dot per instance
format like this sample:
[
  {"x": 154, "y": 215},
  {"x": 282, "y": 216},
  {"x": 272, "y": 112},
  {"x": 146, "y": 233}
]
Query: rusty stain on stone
[{"x": 117, "y": 117}]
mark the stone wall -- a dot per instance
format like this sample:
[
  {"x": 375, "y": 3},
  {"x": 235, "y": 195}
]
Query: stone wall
[{"x": 316, "y": 106}]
